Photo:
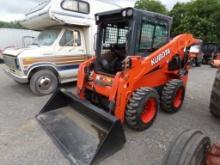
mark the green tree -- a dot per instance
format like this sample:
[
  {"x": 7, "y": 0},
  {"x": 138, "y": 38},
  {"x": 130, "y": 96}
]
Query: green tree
[
  {"x": 15, "y": 25},
  {"x": 199, "y": 17},
  {"x": 151, "y": 5}
]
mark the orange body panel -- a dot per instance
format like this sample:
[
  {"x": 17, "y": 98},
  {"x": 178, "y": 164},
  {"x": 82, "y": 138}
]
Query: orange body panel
[
  {"x": 218, "y": 56},
  {"x": 150, "y": 71}
]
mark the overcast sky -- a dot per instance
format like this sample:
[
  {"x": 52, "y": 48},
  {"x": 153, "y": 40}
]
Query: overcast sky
[{"x": 14, "y": 9}]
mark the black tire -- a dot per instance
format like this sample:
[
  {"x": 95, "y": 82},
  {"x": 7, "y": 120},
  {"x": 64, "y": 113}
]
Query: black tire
[
  {"x": 142, "y": 108},
  {"x": 43, "y": 82},
  {"x": 215, "y": 97},
  {"x": 172, "y": 96},
  {"x": 204, "y": 61},
  {"x": 189, "y": 148},
  {"x": 198, "y": 64}
]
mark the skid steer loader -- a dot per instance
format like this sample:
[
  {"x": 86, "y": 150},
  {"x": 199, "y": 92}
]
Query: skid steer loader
[{"x": 137, "y": 69}]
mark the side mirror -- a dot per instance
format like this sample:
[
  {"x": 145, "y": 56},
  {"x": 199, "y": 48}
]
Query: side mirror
[{"x": 75, "y": 44}]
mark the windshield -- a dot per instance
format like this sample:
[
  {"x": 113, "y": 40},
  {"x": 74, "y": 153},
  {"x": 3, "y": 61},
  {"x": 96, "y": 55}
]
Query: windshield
[{"x": 47, "y": 37}]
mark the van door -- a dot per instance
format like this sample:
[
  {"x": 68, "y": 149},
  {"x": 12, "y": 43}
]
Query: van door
[{"x": 69, "y": 53}]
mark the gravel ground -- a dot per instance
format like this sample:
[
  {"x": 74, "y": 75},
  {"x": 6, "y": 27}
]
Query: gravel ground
[{"x": 23, "y": 141}]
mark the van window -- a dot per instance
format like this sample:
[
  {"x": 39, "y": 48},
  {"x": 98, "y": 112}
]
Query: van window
[
  {"x": 70, "y": 38},
  {"x": 67, "y": 39},
  {"x": 76, "y": 6}
]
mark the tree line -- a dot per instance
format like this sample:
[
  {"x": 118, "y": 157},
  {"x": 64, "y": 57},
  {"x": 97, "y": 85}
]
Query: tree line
[
  {"x": 199, "y": 17},
  {"x": 15, "y": 25}
]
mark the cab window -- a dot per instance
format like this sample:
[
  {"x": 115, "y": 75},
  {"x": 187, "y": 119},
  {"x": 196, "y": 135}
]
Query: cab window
[
  {"x": 153, "y": 36},
  {"x": 161, "y": 34},
  {"x": 70, "y": 38},
  {"x": 146, "y": 38}
]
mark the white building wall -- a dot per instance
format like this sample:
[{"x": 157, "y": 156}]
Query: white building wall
[{"x": 14, "y": 37}]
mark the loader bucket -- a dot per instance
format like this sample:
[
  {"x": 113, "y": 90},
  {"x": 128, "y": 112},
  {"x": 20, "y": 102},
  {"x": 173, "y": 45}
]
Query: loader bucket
[{"x": 84, "y": 133}]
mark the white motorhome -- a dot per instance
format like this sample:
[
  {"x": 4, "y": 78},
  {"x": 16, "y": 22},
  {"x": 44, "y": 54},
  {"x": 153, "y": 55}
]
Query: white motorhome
[{"x": 67, "y": 38}]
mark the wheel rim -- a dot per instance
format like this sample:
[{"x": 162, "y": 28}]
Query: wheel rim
[
  {"x": 150, "y": 110},
  {"x": 177, "y": 101},
  {"x": 44, "y": 83}
]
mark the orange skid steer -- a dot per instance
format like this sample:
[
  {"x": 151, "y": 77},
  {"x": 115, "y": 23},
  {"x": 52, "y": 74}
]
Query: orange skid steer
[{"x": 136, "y": 71}]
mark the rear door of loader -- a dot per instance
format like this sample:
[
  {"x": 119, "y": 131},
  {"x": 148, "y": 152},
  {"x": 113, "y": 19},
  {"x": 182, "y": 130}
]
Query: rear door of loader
[{"x": 84, "y": 133}]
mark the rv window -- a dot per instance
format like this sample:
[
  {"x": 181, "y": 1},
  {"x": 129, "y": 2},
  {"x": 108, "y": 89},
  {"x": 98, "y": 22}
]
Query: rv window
[
  {"x": 76, "y": 6},
  {"x": 83, "y": 7},
  {"x": 67, "y": 39}
]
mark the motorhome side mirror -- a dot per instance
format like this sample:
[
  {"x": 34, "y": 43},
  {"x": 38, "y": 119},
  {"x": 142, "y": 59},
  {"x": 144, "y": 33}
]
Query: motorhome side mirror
[
  {"x": 75, "y": 44},
  {"x": 77, "y": 38}
]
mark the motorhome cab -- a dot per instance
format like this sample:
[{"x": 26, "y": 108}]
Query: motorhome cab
[{"x": 67, "y": 39}]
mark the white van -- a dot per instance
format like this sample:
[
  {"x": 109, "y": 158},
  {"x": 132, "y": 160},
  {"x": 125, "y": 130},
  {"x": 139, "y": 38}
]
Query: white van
[{"x": 67, "y": 39}]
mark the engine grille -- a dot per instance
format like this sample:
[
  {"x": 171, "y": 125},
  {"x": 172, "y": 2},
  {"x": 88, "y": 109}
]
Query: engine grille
[{"x": 10, "y": 61}]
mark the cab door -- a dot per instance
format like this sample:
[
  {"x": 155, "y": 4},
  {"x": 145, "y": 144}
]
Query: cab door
[{"x": 69, "y": 53}]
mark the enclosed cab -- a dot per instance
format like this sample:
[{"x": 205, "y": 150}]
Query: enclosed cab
[
  {"x": 210, "y": 51},
  {"x": 127, "y": 33},
  {"x": 196, "y": 54},
  {"x": 67, "y": 38}
]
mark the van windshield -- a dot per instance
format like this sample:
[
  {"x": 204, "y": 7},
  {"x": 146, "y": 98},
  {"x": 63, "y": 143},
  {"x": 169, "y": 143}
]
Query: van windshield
[{"x": 47, "y": 37}]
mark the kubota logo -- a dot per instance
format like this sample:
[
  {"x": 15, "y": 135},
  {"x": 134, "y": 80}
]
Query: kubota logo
[{"x": 158, "y": 58}]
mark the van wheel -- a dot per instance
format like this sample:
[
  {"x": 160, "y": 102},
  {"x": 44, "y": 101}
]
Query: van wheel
[
  {"x": 43, "y": 82},
  {"x": 142, "y": 108}
]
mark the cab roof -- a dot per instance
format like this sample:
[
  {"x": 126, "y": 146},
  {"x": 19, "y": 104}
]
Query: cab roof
[{"x": 136, "y": 13}]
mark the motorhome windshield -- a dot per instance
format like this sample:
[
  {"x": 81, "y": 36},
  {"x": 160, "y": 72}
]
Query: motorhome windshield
[{"x": 47, "y": 37}]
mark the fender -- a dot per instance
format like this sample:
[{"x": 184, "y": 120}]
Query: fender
[{"x": 39, "y": 65}]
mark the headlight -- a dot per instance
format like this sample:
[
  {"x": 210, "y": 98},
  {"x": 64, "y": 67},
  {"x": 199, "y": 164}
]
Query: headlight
[
  {"x": 124, "y": 13},
  {"x": 127, "y": 13},
  {"x": 97, "y": 18}
]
